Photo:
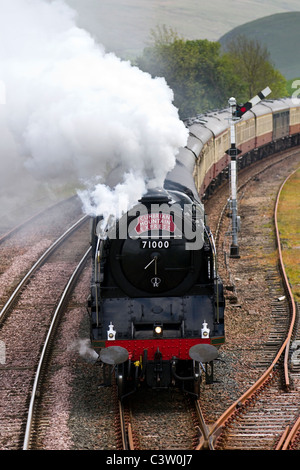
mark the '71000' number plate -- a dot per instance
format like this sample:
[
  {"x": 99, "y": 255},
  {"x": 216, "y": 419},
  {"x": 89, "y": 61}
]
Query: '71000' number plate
[{"x": 153, "y": 244}]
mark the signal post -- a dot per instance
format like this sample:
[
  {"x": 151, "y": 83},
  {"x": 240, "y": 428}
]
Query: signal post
[{"x": 237, "y": 111}]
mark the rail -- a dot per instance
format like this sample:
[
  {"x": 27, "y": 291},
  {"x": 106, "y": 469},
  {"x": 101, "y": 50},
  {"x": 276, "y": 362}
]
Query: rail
[
  {"x": 127, "y": 441},
  {"x": 268, "y": 374},
  {"x": 206, "y": 439},
  {"x": 38, "y": 264},
  {"x": 286, "y": 286},
  {"x": 288, "y": 436},
  {"x": 37, "y": 379},
  {"x": 31, "y": 218}
]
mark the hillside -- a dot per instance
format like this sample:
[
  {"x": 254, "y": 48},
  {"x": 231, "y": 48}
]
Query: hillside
[
  {"x": 281, "y": 34},
  {"x": 123, "y": 26}
]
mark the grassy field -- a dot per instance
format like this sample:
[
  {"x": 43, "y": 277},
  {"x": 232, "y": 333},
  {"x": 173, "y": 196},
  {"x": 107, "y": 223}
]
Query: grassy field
[
  {"x": 289, "y": 227},
  {"x": 293, "y": 87},
  {"x": 124, "y": 26}
]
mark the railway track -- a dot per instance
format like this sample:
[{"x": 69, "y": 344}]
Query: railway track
[
  {"x": 28, "y": 318},
  {"x": 206, "y": 441},
  {"x": 22, "y": 245},
  {"x": 159, "y": 421},
  {"x": 26, "y": 222},
  {"x": 270, "y": 406},
  {"x": 126, "y": 439},
  {"x": 33, "y": 410},
  {"x": 13, "y": 297},
  {"x": 137, "y": 430}
]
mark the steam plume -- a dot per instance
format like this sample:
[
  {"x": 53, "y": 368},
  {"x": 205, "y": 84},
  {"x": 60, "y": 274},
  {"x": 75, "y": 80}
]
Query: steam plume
[{"x": 73, "y": 112}]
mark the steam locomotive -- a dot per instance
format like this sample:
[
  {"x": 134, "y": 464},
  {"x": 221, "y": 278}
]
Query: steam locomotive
[{"x": 156, "y": 304}]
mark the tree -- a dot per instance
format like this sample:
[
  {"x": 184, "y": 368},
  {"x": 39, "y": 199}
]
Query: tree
[
  {"x": 251, "y": 60},
  {"x": 203, "y": 77},
  {"x": 200, "y": 77},
  {"x": 162, "y": 35}
]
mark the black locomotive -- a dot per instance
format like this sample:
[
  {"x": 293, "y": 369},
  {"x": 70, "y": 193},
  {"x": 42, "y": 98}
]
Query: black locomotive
[{"x": 156, "y": 304}]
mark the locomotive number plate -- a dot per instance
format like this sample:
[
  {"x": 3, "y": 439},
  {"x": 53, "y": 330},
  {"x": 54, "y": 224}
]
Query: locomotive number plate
[{"x": 154, "y": 244}]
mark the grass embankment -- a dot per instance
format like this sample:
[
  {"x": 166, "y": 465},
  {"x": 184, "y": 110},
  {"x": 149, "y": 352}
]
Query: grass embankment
[
  {"x": 289, "y": 228},
  {"x": 293, "y": 87}
]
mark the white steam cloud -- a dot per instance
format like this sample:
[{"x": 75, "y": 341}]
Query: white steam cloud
[
  {"x": 74, "y": 112},
  {"x": 84, "y": 349}
]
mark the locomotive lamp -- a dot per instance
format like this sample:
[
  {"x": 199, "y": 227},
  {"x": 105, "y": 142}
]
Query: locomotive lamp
[
  {"x": 205, "y": 330},
  {"x": 158, "y": 330},
  {"x": 111, "y": 334},
  {"x": 237, "y": 111}
]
